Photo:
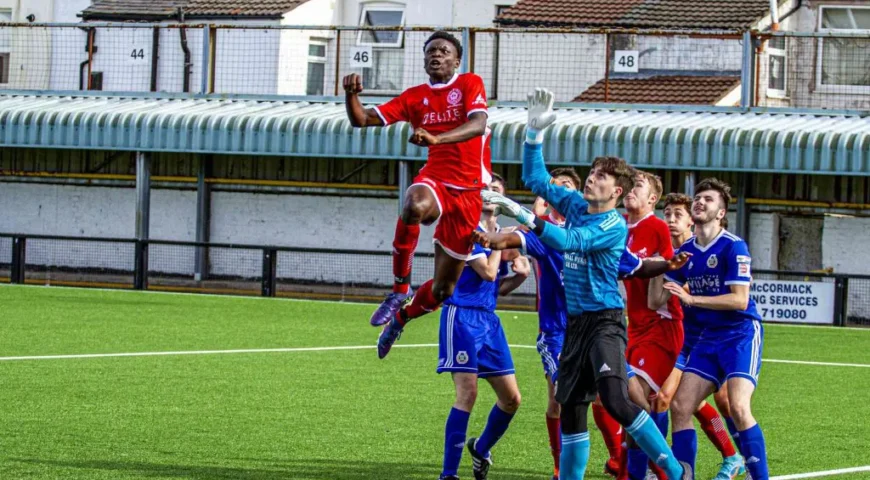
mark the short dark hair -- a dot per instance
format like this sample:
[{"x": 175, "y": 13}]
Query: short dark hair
[
  {"x": 680, "y": 200},
  {"x": 570, "y": 173},
  {"x": 498, "y": 178},
  {"x": 619, "y": 169},
  {"x": 718, "y": 186},
  {"x": 724, "y": 222},
  {"x": 443, "y": 35}
]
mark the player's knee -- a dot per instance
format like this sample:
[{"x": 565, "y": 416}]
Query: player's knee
[
  {"x": 681, "y": 409},
  {"x": 442, "y": 290},
  {"x": 466, "y": 396},
  {"x": 554, "y": 409},
  {"x": 721, "y": 399},
  {"x": 511, "y": 403},
  {"x": 418, "y": 206},
  {"x": 741, "y": 412},
  {"x": 614, "y": 395}
]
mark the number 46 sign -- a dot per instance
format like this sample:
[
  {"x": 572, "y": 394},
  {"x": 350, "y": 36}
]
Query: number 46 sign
[
  {"x": 361, "y": 57},
  {"x": 625, "y": 61}
]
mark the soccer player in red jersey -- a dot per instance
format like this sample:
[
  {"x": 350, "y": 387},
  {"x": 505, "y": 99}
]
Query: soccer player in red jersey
[{"x": 449, "y": 115}]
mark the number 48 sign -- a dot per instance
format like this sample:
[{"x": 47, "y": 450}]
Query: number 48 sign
[{"x": 625, "y": 61}]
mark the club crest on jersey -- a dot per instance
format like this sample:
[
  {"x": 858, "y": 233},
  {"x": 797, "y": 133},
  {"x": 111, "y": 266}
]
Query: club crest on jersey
[
  {"x": 462, "y": 357},
  {"x": 712, "y": 261},
  {"x": 454, "y": 97}
]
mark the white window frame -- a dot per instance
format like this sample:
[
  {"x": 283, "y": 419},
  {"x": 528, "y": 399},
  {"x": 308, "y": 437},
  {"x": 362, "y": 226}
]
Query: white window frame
[
  {"x": 8, "y": 52},
  {"x": 779, "y": 52},
  {"x": 820, "y": 87},
  {"x": 315, "y": 59},
  {"x": 375, "y": 8}
]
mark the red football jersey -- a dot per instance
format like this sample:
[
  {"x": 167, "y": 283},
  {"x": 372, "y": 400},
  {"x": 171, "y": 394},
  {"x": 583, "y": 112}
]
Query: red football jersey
[
  {"x": 441, "y": 108},
  {"x": 649, "y": 237}
]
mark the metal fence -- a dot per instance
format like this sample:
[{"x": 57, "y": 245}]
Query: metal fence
[
  {"x": 317, "y": 273},
  {"x": 320, "y": 273},
  {"x": 827, "y": 69}
]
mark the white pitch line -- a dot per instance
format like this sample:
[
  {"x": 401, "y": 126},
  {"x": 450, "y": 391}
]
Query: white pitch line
[
  {"x": 827, "y": 473},
  {"x": 322, "y": 349},
  {"x": 824, "y": 364}
]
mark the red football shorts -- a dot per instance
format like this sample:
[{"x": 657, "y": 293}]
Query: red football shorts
[
  {"x": 460, "y": 215},
  {"x": 653, "y": 354}
]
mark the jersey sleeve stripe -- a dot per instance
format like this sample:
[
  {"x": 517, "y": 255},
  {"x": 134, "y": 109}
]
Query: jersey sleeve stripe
[
  {"x": 737, "y": 282},
  {"x": 478, "y": 110},
  {"x": 668, "y": 278},
  {"x": 609, "y": 223},
  {"x": 523, "y": 248},
  {"x": 378, "y": 111}
]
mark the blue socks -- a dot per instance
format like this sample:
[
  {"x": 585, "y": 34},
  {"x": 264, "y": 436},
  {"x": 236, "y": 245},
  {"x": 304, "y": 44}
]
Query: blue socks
[
  {"x": 661, "y": 420},
  {"x": 496, "y": 425},
  {"x": 637, "y": 463},
  {"x": 754, "y": 452},
  {"x": 637, "y": 459},
  {"x": 575, "y": 456},
  {"x": 648, "y": 437},
  {"x": 732, "y": 429},
  {"x": 454, "y": 441},
  {"x": 686, "y": 446}
]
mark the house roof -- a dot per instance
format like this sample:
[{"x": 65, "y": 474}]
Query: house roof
[
  {"x": 676, "y": 14},
  {"x": 662, "y": 89},
  {"x": 164, "y": 9}
]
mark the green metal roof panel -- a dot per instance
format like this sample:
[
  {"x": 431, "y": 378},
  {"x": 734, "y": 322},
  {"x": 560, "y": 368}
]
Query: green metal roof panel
[{"x": 714, "y": 140}]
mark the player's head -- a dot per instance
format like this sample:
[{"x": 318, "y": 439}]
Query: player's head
[
  {"x": 496, "y": 185},
  {"x": 644, "y": 194},
  {"x": 678, "y": 213},
  {"x": 609, "y": 179},
  {"x": 712, "y": 197},
  {"x": 564, "y": 177},
  {"x": 442, "y": 53}
]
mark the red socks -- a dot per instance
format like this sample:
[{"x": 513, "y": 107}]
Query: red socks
[
  {"x": 611, "y": 430},
  {"x": 404, "y": 244},
  {"x": 555, "y": 442},
  {"x": 712, "y": 425},
  {"x": 423, "y": 303}
]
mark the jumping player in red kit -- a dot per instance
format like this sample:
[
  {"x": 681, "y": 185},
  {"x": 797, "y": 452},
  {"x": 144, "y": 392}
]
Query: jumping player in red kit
[{"x": 449, "y": 116}]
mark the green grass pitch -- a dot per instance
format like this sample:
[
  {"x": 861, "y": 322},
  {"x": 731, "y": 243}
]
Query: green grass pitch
[{"x": 330, "y": 414}]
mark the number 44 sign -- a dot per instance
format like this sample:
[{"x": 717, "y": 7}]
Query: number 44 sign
[
  {"x": 625, "y": 61},
  {"x": 361, "y": 57}
]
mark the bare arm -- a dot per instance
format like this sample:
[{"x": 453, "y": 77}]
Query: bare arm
[
  {"x": 474, "y": 127},
  {"x": 522, "y": 269},
  {"x": 358, "y": 115},
  {"x": 497, "y": 241},
  {"x": 738, "y": 299},
  {"x": 655, "y": 298},
  {"x": 487, "y": 268}
]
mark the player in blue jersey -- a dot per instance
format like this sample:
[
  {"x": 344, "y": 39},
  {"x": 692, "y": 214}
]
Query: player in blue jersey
[
  {"x": 472, "y": 345},
  {"x": 678, "y": 208},
  {"x": 728, "y": 350},
  {"x": 593, "y": 360}
]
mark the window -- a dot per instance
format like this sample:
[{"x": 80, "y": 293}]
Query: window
[
  {"x": 499, "y": 9},
  {"x": 381, "y": 17},
  {"x": 843, "y": 64},
  {"x": 316, "y": 67},
  {"x": 388, "y": 57},
  {"x": 5, "y": 46},
  {"x": 777, "y": 83}
]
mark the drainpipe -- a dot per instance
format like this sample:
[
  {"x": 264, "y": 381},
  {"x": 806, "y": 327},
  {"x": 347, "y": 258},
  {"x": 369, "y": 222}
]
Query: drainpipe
[
  {"x": 91, "y": 49},
  {"x": 774, "y": 15},
  {"x": 187, "y": 65},
  {"x": 155, "y": 48}
]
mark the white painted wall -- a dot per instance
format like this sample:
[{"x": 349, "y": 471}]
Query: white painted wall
[
  {"x": 29, "y": 49},
  {"x": 287, "y": 220},
  {"x": 293, "y": 62},
  {"x": 842, "y": 251}
]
